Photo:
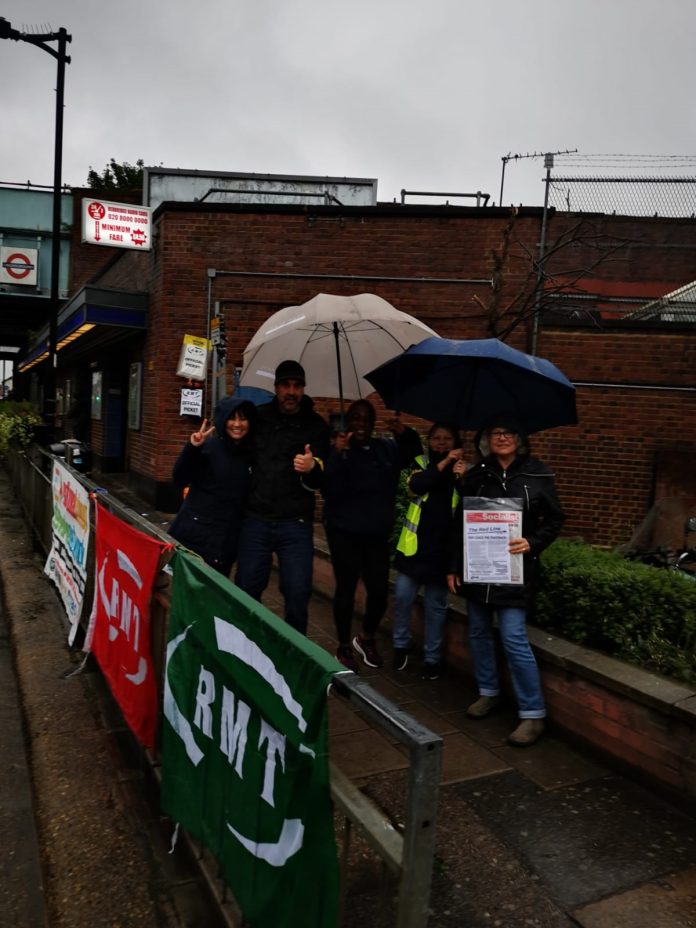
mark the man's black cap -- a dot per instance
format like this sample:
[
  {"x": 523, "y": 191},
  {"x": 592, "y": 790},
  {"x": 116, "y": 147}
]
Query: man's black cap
[{"x": 290, "y": 370}]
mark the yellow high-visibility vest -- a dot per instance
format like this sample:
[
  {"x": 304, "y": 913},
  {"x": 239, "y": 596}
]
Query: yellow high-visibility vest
[{"x": 408, "y": 539}]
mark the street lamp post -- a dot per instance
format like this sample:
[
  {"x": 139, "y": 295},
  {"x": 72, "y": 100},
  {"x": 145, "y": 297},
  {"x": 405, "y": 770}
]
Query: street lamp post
[{"x": 59, "y": 53}]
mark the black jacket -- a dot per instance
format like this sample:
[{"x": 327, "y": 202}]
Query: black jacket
[
  {"x": 431, "y": 560},
  {"x": 278, "y": 493},
  {"x": 218, "y": 476},
  {"x": 360, "y": 483},
  {"x": 531, "y": 481}
]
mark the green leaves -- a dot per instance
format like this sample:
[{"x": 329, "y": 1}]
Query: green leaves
[
  {"x": 17, "y": 424},
  {"x": 641, "y": 614}
]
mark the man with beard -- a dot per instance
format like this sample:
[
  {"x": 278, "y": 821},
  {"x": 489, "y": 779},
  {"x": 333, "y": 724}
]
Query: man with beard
[{"x": 291, "y": 443}]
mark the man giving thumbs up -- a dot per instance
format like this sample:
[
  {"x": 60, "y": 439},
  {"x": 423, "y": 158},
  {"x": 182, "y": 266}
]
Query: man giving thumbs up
[{"x": 291, "y": 443}]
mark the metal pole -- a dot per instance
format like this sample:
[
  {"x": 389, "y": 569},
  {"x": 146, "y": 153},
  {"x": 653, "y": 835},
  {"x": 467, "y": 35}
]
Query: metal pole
[
  {"x": 41, "y": 40},
  {"x": 504, "y": 159},
  {"x": 51, "y": 379},
  {"x": 548, "y": 161}
]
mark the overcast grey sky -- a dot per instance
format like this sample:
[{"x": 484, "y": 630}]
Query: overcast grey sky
[{"x": 421, "y": 95}]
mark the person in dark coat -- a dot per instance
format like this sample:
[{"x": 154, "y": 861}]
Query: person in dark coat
[
  {"x": 291, "y": 442},
  {"x": 423, "y": 550},
  {"x": 215, "y": 466},
  {"x": 507, "y": 470},
  {"x": 360, "y": 484}
]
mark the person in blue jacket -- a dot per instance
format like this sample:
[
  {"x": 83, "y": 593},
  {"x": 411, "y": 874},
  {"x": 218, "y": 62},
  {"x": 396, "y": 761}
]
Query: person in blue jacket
[
  {"x": 215, "y": 465},
  {"x": 360, "y": 484},
  {"x": 423, "y": 551}
]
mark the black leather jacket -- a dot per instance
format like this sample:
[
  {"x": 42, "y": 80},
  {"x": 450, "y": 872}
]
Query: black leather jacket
[{"x": 531, "y": 481}]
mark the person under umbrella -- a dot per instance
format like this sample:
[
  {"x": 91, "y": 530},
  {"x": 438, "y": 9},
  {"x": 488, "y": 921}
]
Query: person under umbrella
[
  {"x": 507, "y": 470},
  {"x": 215, "y": 465},
  {"x": 291, "y": 442},
  {"x": 423, "y": 551},
  {"x": 360, "y": 483}
]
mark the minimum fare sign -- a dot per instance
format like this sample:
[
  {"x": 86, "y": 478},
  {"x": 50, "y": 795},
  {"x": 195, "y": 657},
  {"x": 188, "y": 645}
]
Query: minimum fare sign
[{"x": 118, "y": 225}]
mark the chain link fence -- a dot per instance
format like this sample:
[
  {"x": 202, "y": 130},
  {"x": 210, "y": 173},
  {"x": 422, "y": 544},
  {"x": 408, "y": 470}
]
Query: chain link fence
[
  {"x": 673, "y": 197},
  {"x": 636, "y": 185}
]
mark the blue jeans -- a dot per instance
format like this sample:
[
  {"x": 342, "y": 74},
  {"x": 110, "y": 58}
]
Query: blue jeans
[
  {"x": 518, "y": 653},
  {"x": 435, "y": 614},
  {"x": 292, "y": 542}
]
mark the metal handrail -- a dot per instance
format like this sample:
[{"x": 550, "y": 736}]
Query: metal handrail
[{"x": 408, "y": 854}]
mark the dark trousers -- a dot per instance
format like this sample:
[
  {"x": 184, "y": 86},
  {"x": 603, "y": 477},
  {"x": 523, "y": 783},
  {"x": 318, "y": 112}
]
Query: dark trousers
[
  {"x": 293, "y": 545},
  {"x": 356, "y": 557}
]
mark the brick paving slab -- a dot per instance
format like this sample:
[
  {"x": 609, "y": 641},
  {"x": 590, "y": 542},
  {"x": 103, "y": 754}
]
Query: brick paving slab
[
  {"x": 586, "y": 841},
  {"x": 666, "y": 903}
]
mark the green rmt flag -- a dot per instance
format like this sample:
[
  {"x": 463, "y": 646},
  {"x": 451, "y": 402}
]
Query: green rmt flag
[{"x": 244, "y": 749}]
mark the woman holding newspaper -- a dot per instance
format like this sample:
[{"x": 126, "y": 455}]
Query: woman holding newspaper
[{"x": 505, "y": 484}]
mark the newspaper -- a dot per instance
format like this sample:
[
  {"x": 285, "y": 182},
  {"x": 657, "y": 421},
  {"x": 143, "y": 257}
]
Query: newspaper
[{"x": 489, "y": 526}]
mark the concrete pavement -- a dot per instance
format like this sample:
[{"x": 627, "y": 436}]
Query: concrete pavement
[{"x": 542, "y": 837}]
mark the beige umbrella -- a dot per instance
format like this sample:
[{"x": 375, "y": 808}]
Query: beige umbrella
[{"x": 337, "y": 339}]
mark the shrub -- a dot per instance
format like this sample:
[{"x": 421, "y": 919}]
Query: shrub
[
  {"x": 18, "y": 422},
  {"x": 641, "y": 614}
]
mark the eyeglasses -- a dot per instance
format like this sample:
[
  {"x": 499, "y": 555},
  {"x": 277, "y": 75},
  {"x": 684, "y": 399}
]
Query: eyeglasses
[{"x": 501, "y": 433}]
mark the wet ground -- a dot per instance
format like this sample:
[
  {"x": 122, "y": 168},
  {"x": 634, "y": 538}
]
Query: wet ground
[{"x": 543, "y": 837}]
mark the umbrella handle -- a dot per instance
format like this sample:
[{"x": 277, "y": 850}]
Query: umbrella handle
[{"x": 340, "y": 375}]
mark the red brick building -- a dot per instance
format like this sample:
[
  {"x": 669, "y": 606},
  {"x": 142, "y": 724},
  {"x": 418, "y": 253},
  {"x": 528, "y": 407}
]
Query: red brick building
[{"x": 466, "y": 272}]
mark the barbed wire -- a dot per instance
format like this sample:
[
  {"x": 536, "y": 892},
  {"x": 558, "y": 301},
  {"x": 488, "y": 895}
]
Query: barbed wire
[{"x": 627, "y": 185}]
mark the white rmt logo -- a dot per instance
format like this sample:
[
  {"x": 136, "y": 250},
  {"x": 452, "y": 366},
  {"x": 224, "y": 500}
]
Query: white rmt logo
[{"x": 232, "y": 736}]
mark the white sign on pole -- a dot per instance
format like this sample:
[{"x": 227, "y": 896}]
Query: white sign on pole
[
  {"x": 191, "y": 402},
  {"x": 19, "y": 265},
  {"x": 118, "y": 225},
  {"x": 193, "y": 360}
]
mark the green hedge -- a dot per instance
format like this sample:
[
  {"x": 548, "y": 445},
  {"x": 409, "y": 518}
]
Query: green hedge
[
  {"x": 18, "y": 422},
  {"x": 641, "y": 614}
]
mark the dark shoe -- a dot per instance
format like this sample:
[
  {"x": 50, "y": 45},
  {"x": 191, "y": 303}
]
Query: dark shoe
[
  {"x": 483, "y": 706},
  {"x": 400, "y": 658},
  {"x": 345, "y": 655},
  {"x": 527, "y": 732},
  {"x": 367, "y": 650},
  {"x": 430, "y": 671}
]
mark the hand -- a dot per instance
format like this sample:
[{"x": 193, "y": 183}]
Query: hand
[
  {"x": 395, "y": 425},
  {"x": 460, "y": 466},
  {"x": 304, "y": 463},
  {"x": 454, "y": 582},
  {"x": 519, "y": 546},
  {"x": 202, "y": 435},
  {"x": 453, "y": 458},
  {"x": 341, "y": 441}
]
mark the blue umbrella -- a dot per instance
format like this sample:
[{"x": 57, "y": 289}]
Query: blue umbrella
[
  {"x": 255, "y": 395},
  {"x": 470, "y": 383}
]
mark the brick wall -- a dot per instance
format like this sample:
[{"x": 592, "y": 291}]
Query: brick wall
[{"x": 436, "y": 263}]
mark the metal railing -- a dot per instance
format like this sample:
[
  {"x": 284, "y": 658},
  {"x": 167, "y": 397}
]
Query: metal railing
[{"x": 407, "y": 853}]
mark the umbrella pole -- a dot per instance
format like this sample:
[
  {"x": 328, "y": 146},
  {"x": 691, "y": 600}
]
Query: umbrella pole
[{"x": 340, "y": 376}]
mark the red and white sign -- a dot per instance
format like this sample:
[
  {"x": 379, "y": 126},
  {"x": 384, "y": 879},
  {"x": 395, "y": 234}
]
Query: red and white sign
[
  {"x": 19, "y": 266},
  {"x": 118, "y": 225},
  {"x": 119, "y": 627}
]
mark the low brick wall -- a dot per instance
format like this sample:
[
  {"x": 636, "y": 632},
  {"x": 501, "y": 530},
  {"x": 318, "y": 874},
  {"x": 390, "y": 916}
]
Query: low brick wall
[{"x": 643, "y": 723}]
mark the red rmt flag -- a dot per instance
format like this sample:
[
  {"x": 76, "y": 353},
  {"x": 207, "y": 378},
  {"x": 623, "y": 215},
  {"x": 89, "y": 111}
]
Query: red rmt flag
[{"x": 119, "y": 628}]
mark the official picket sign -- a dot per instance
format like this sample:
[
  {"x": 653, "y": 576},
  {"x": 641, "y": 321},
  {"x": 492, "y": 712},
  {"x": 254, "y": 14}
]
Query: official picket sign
[
  {"x": 118, "y": 225},
  {"x": 193, "y": 359}
]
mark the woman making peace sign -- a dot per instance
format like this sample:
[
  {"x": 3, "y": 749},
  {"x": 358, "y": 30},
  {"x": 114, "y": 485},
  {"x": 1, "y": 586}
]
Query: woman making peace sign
[{"x": 215, "y": 465}]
